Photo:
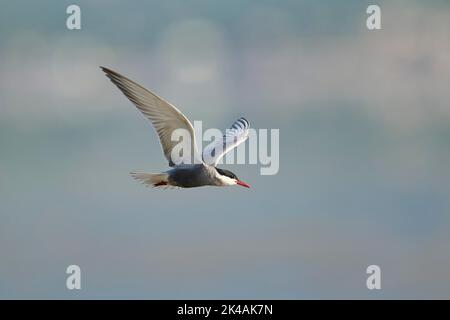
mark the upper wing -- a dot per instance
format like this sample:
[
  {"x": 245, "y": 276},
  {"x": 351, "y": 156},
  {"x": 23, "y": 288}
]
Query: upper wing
[
  {"x": 164, "y": 116},
  {"x": 234, "y": 136}
]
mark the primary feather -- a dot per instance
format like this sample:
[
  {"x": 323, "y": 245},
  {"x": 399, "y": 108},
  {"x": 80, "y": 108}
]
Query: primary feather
[{"x": 234, "y": 136}]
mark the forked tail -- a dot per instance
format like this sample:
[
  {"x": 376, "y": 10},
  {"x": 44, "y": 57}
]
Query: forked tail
[{"x": 151, "y": 179}]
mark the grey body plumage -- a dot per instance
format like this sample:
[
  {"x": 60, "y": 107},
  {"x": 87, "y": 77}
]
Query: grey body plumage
[{"x": 189, "y": 176}]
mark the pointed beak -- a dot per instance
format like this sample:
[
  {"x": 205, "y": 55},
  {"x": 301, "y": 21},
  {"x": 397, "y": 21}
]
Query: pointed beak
[{"x": 242, "y": 183}]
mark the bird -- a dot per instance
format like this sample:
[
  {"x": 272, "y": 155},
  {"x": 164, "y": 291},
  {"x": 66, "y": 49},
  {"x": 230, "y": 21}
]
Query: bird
[{"x": 195, "y": 171}]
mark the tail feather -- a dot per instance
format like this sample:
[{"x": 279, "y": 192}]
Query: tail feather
[{"x": 151, "y": 179}]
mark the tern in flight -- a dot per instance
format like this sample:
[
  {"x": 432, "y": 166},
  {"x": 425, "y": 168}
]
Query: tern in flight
[{"x": 165, "y": 119}]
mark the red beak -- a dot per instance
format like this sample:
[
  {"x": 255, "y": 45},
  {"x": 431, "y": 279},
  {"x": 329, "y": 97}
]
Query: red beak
[{"x": 242, "y": 183}]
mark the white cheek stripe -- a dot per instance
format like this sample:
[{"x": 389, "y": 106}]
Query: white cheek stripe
[{"x": 226, "y": 181}]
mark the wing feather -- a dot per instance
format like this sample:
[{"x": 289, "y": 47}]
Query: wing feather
[
  {"x": 234, "y": 136},
  {"x": 165, "y": 117}
]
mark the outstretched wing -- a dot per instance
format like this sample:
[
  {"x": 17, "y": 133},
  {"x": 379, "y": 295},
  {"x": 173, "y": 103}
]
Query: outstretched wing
[
  {"x": 164, "y": 116},
  {"x": 234, "y": 136}
]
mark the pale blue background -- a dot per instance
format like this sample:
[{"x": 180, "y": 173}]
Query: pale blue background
[{"x": 364, "y": 121}]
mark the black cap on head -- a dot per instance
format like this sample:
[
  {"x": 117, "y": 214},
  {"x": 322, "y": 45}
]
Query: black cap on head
[{"x": 227, "y": 173}]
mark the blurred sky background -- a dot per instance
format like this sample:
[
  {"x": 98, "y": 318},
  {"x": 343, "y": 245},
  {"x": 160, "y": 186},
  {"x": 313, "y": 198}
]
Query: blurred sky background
[{"x": 364, "y": 178}]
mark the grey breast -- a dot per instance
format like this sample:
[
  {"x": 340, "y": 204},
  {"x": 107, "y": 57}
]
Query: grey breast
[{"x": 189, "y": 176}]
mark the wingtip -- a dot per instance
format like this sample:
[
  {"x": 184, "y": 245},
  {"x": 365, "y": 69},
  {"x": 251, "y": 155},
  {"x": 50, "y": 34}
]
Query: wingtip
[
  {"x": 106, "y": 70},
  {"x": 242, "y": 123}
]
